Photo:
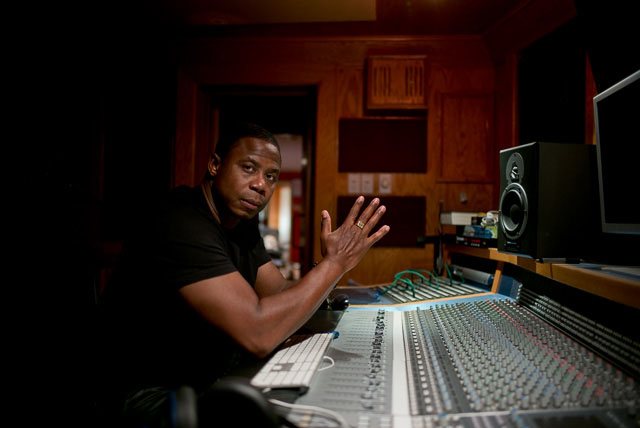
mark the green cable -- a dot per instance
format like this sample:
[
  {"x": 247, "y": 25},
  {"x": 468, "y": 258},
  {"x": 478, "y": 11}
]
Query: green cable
[
  {"x": 433, "y": 277},
  {"x": 446, "y": 266},
  {"x": 380, "y": 293},
  {"x": 398, "y": 278},
  {"x": 411, "y": 272},
  {"x": 409, "y": 283}
]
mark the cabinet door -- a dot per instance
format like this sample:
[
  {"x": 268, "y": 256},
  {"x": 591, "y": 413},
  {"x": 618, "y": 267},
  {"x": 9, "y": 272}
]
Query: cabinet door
[{"x": 467, "y": 148}]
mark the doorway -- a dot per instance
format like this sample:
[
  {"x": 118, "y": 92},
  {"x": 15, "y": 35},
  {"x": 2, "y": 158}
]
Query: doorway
[{"x": 290, "y": 114}]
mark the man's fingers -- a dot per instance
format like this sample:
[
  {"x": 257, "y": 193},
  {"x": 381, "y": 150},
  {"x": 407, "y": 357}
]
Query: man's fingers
[
  {"x": 325, "y": 229},
  {"x": 368, "y": 212},
  {"x": 355, "y": 209},
  {"x": 378, "y": 235},
  {"x": 325, "y": 224},
  {"x": 372, "y": 220}
]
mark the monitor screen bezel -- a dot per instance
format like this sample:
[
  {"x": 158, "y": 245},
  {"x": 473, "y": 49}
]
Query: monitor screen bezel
[{"x": 610, "y": 227}]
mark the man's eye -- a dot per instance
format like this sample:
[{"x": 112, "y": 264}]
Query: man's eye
[
  {"x": 247, "y": 168},
  {"x": 272, "y": 177}
]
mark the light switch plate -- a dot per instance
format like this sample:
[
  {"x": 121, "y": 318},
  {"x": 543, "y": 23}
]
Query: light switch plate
[
  {"x": 367, "y": 184},
  {"x": 354, "y": 184}
]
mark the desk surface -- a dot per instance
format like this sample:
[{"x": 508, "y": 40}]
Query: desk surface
[{"x": 587, "y": 277}]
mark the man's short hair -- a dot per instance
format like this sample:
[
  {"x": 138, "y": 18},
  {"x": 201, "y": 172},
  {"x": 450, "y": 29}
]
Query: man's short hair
[{"x": 231, "y": 133}]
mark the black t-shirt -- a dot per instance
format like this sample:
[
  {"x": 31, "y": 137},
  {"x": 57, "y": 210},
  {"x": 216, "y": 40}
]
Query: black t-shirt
[{"x": 155, "y": 338}]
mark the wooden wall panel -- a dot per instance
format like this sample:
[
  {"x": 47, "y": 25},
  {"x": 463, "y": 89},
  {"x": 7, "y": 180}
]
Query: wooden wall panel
[
  {"x": 326, "y": 156},
  {"x": 474, "y": 197},
  {"x": 184, "y": 150},
  {"x": 380, "y": 265},
  {"x": 526, "y": 24},
  {"x": 348, "y": 52},
  {"x": 468, "y": 197},
  {"x": 337, "y": 69},
  {"x": 350, "y": 89},
  {"x": 204, "y": 141},
  {"x": 467, "y": 148},
  {"x": 193, "y": 143}
]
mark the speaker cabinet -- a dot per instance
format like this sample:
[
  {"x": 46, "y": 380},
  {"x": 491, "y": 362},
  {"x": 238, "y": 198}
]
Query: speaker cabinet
[{"x": 549, "y": 200}]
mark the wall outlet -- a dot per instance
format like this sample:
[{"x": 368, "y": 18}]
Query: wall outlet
[{"x": 384, "y": 184}]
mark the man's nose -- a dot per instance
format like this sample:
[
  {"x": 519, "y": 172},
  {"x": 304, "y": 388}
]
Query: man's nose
[{"x": 258, "y": 184}]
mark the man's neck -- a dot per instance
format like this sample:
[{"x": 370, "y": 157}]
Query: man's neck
[{"x": 228, "y": 222}]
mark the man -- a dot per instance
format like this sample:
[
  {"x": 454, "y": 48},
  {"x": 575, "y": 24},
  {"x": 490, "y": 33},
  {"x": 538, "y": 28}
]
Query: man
[{"x": 196, "y": 290}]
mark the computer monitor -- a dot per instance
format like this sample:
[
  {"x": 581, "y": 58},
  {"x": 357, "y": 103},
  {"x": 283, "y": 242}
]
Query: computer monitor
[{"x": 617, "y": 124}]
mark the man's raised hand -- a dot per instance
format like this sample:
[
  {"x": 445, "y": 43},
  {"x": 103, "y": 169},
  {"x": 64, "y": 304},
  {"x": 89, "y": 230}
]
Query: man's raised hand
[{"x": 348, "y": 244}]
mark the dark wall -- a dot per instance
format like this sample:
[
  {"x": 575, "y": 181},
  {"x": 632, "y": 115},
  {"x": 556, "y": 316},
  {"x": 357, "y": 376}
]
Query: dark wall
[
  {"x": 107, "y": 102},
  {"x": 99, "y": 90},
  {"x": 551, "y": 88},
  {"x": 610, "y": 33}
]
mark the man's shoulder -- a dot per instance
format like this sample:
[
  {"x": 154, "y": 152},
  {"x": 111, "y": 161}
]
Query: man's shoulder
[{"x": 185, "y": 208}]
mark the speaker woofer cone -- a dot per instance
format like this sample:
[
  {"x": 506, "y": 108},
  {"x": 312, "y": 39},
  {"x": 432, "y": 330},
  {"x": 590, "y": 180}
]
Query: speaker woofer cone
[{"x": 514, "y": 209}]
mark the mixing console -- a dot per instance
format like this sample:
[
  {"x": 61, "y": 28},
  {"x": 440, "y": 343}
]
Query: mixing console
[
  {"x": 502, "y": 355},
  {"x": 475, "y": 362},
  {"x": 438, "y": 288}
]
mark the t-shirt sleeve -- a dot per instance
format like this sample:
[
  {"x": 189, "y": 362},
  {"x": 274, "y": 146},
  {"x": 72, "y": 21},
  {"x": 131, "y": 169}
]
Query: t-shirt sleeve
[
  {"x": 196, "y": 248},
  {"x": 194, "y": 254}
]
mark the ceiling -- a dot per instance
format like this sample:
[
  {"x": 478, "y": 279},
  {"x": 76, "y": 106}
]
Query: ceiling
[{"x": 338, "y": 17}]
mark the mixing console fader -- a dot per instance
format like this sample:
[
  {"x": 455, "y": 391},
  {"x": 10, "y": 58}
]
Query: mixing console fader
[{"x": 471, "y": 363}]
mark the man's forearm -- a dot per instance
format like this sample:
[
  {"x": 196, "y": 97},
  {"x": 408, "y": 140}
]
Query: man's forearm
[{"x": 284, "y": 313}]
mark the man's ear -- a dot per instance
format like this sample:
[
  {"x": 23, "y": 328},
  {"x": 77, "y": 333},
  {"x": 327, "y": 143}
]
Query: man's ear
[{"x": 214, "y": 164}]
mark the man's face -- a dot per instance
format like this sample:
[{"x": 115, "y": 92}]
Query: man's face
[{"x": 246, "y": 178}]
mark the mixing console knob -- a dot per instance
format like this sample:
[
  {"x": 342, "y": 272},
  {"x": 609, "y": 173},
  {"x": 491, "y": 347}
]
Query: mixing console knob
[
  {"x": 367, "y": 404},
  {"x": 601, "y": 397},
  {"x": 502, "y": 404}
]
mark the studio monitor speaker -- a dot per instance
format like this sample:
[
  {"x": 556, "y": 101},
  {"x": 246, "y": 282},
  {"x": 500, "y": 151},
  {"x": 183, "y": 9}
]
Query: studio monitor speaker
[{"x": 548, "y": 200}]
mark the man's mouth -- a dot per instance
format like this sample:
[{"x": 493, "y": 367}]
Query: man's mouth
[{"x": 251, "y": 203}]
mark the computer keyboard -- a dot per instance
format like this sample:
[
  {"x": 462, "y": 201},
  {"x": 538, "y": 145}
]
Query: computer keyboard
[{"x": 294, "y": 365}]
